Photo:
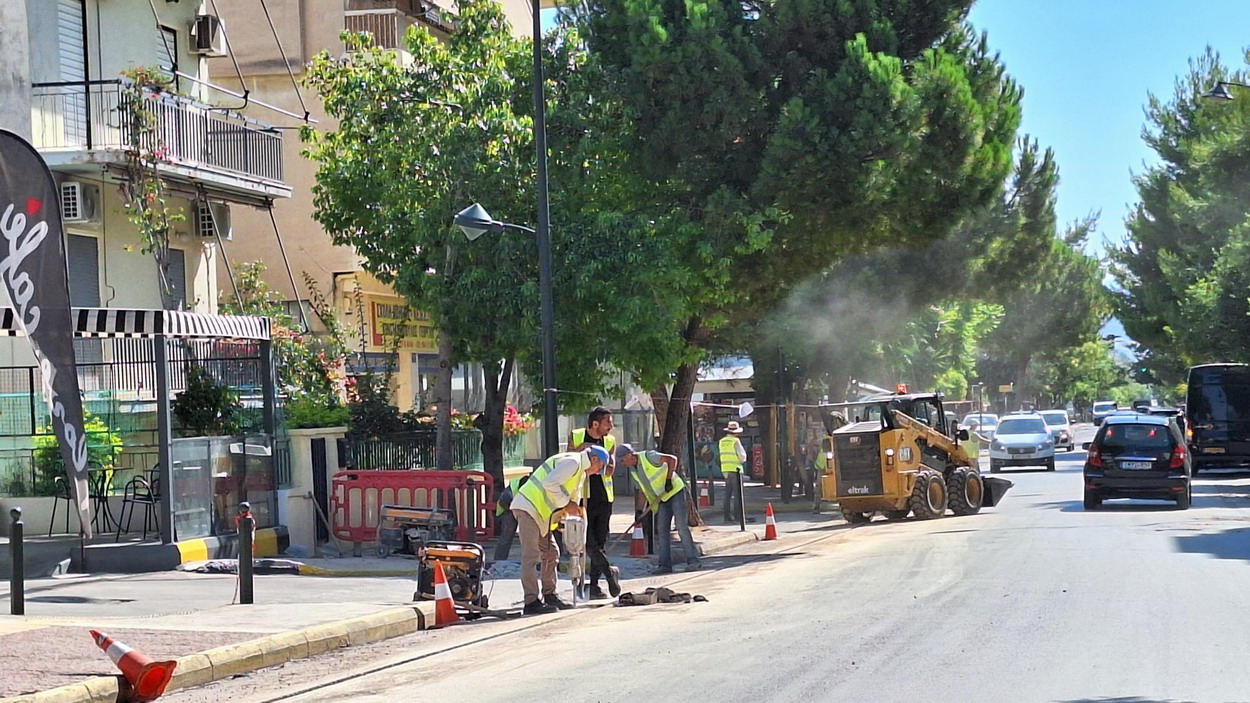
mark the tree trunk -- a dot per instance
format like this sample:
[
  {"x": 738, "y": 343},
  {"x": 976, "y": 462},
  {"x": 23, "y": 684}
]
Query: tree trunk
[
  {"x": 442, "y": 397},
  {"x": 497, "y": 383}
]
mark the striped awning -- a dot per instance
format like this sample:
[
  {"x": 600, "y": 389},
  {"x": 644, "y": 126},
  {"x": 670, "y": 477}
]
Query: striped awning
[{"x": 121, "y": 322}]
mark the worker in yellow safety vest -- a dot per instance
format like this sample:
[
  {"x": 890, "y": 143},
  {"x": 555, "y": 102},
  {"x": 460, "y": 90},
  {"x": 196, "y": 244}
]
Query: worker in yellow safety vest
[
  {"x": 732, "y": 458},
  {"x": 599, "y": 495},
  {"x": 657, "y": 478},
  {"x": 554, "y": 487}
]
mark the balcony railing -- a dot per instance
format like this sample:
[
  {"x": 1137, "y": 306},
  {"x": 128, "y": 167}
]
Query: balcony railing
[
  {"x": 93, "y": 116},
  {"x": 388, "y": 20}
]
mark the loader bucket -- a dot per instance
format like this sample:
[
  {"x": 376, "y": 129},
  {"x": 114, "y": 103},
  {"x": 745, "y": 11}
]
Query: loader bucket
[{"x": 995, "y": 489}]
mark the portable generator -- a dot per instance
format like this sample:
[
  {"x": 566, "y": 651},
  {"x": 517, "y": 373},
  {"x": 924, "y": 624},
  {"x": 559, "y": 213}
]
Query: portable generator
[
  {"x": 462, "y": 564},
  {"x": 404, "y": 529}
]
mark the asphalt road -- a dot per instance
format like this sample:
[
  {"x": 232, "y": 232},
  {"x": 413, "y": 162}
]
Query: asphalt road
[{"x": 1036, "y": 600}]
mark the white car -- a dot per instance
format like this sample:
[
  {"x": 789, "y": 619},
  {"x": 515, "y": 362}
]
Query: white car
[
  {"x": 1060, "y": 428},
  {"x": 1102, "y": 409},
  {"x": 1022, "y": 440},
  {"x": 986, "y": 423}
]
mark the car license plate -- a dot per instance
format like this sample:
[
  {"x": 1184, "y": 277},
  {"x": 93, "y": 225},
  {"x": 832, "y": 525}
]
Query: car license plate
[
  {"x": 1213, "y": 450},
  {"x": 1136, "y": 465}
]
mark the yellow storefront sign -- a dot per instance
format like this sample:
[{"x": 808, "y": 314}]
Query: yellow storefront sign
[{"x": 392, "y": 317}]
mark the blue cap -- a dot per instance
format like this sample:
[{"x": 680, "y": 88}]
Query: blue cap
[{"x": 597, "y": 451}]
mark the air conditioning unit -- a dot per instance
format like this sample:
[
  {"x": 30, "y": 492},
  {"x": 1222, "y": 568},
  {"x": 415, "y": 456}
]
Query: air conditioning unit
[
  {"x": 78, "y": 202},
  {"x": 209, "y": 39},
  {"x": 212, "y": 219}
]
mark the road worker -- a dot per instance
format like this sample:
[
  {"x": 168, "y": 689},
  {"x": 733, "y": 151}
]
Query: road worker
[
  {"x": 554, "y": 487},
  {"x": 732, "y": 458},
  {"x": 657, "y": 477},
  {"x": 599, "y": 495}
]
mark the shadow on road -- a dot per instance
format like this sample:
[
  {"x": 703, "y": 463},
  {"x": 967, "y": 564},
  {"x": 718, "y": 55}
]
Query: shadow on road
[
  {"x": 1076, "y": 506},
  {"x": 1228, "y": 544},
  {"x": 1122, "y": 699}
]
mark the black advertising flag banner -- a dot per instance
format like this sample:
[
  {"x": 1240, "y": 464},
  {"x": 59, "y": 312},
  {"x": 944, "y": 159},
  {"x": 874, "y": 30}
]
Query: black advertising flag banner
[{"x": 35, "y": 274}]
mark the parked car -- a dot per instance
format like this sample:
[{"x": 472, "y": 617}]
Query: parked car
[
  {"x": 1217, "y": 403},
  {"x": 1102, "y": 409},
  {"x": 1138, "y": 455},
  {"x": 1022, "y": 440},
  {"x": 987, "y": 423},
  {"x": 1060, "y": 428}
]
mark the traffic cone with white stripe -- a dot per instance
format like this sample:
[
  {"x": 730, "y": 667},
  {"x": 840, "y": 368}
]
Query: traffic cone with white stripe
[
  {"x": 444, "y": 605},
  {"x": 638, "y": 542},
  {"x": 705, "y": 501},
  {"x": 147, "y": 678},
  {"x": 770, "y": 524}
]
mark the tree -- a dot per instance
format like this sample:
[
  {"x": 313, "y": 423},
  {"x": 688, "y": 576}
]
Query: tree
[
  {"x": 1184, "y": 290},
  {"x": 417, "y": 141},
  {"x": 1081, "y": 374},
  {"x": 785, "y": 137}
]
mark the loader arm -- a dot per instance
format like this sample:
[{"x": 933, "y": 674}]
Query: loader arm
[{"x": 934, "y": 438}]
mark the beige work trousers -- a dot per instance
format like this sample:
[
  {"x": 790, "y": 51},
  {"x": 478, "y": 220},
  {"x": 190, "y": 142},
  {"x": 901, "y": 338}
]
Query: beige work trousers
[{"x": 536, "y": 548}]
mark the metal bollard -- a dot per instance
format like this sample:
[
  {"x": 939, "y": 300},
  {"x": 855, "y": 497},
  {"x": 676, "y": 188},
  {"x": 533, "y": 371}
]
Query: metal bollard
[
  {"x": 17, "y": 580},
  {"x": 247, "y": 525},
  {"x": 742, "y": 501}
]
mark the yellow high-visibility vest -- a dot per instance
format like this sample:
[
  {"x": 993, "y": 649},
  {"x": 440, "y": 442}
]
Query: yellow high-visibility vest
[
  {"x": 537, "y": 495},
  {"x": 729, "y": 461},
  {"x": 579, "y": 436},
  {"x": 650, "y": 478}
]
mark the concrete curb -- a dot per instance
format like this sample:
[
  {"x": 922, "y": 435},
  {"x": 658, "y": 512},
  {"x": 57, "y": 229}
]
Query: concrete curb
[
  {"x": 245, "y": 657},
  {"x": 731, "y": 540}
]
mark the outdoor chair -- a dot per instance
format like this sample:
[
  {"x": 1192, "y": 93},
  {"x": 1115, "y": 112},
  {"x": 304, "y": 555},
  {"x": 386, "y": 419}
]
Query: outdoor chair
[
  {"x": 143, "y": 492},
  {"x": 61, "y": 493}
]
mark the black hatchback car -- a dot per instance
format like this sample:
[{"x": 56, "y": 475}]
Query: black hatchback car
[{"x": 1138, "y": 456}]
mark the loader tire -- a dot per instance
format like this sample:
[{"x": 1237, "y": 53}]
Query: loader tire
[
  {"x": 897, "y": 514},
  {"x": 855, "y": 518},
  {"x": 928, "y": 497},
  {"x": 966, "y": 492}
]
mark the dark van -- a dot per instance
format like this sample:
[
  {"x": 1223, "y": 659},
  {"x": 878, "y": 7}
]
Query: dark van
[{"x": 1217, "y": 404}]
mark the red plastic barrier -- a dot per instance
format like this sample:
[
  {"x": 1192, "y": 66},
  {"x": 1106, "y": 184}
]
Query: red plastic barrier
[{"x": 357, "y": 495}]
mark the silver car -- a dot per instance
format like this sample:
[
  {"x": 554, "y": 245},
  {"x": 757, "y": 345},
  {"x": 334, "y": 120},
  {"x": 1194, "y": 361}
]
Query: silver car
[
  {"x": 1060, "y": 428},
  {"x": 1022, "y": 440}
]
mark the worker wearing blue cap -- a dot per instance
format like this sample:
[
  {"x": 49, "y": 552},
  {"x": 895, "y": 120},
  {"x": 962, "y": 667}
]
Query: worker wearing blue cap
[{"x": 553, "y": 487}]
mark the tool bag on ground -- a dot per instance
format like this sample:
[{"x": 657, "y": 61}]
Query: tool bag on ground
[{"x": 651, "y": 596}]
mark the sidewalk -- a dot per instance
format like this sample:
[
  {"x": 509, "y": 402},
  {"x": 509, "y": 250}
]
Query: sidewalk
[{"x": 351, "y": 601}]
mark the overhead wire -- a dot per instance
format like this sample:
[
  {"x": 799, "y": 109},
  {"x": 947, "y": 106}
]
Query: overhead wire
[{"x": 285, "y": 62}]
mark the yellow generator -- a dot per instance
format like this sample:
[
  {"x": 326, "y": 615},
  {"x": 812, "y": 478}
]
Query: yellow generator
[{"x": 898, "y": 455}]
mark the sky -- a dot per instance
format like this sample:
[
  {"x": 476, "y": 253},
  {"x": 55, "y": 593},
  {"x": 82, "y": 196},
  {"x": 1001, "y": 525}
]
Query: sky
[{"x": 1087, "y": 67}]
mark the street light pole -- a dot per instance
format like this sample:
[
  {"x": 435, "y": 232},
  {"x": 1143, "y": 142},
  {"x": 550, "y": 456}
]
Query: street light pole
[{"x": 551, "y": 418}]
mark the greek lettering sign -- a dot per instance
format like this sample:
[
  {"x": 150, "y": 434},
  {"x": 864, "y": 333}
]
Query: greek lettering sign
[
  {"x": 391, "y": 318},
  {"x": 35, "y": 274}
]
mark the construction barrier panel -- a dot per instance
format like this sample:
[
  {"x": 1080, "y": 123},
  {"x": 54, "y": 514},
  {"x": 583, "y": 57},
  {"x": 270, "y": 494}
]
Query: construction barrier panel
[{"x": 357, "y": 496}]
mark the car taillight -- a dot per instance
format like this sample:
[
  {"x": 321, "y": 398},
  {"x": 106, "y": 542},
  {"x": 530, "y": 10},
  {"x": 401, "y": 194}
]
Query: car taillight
[
  {"x": 1095, "y": 457},
  {"x": 1178, "y": 457}
]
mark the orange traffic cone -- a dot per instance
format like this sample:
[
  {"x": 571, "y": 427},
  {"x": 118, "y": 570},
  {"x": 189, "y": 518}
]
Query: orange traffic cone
[
  {"x": 638, "y": 542},
  {"x": 147, "y": 678},
  {"x": 444, "y": 605},
  {"x": 705, "y": 501},
  {"x": 770, "y": 524}
]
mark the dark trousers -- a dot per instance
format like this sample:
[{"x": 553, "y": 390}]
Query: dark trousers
[
  {"x": 733, "y": 499},
  {"x": 598, "y": 527}
]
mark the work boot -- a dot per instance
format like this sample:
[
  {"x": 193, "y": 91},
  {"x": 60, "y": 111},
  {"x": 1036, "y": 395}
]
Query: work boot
[
  {"x": 552, "y": 600},
  {"x": 537, "y": 607},
  {"x": 614, "y": 581},
  {"x": 597, "y": 593}
]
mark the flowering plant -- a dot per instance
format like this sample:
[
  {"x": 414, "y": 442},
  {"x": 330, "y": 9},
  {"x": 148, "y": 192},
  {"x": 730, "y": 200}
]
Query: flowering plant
[{"x": 516, "y": 423}]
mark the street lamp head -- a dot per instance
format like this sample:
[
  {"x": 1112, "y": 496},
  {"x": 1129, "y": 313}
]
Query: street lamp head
[
  {"x": 474, "y": 221},
  {"x": 1218, "y": 92}
]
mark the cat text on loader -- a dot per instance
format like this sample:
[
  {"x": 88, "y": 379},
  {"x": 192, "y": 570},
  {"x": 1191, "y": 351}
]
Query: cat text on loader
[{"x": 895, "y": 454}]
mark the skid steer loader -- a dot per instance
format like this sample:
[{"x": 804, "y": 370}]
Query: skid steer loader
[{"x": 899, "y": 455}]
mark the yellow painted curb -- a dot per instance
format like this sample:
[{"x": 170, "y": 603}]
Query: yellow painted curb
[
  {"x": 100, "y": 689},
  {"x": 307, "y": 570}
]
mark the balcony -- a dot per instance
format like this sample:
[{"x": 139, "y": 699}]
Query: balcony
[
  {"x": 389, "y": 20},
  {"x": 84, "y": 128}
]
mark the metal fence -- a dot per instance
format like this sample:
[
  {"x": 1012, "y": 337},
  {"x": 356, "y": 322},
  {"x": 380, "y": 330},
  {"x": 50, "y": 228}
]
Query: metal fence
[
  {"x": 95, "y": 115},
  {"x": 414, "y": 450}
]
